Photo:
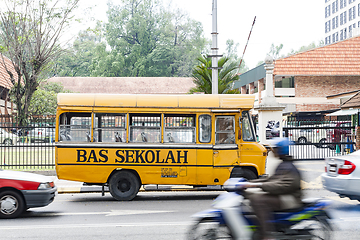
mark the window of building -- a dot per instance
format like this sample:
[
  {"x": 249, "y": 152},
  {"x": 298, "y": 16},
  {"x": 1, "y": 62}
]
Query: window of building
[
  {"x": 327, "y": 39},
  {"x": 335, "y": 37},
  {"x": 351, "y": 13},
  {"x": 359, "y": 9},
  {"x": 225, "y": 130},
  {"x": 351, "y": 1},
  {"x": 335, "y": 22},
  {"x": 334, "y": 6},
  {"x": 256, "y": 86},
  {"x": 359, "y": 24},
  {"x": 145, "y": 128},
  {"x": 342, "y": 4},
  {"x": 327, "y": 1},
  {"x": 285, "y": 83},
  {"x": 327, "y": 11},
  {"x": 342, "y": 18},
  {"x": 343, "y": 34},
  {"x": 179, "y": 128},
  {"x": 327, "y": 26},
  {"x": 351, "y": 28}
]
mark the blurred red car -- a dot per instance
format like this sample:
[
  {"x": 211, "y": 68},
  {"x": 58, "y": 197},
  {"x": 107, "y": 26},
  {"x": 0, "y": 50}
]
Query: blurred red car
[{"x": 20, "y": 191}]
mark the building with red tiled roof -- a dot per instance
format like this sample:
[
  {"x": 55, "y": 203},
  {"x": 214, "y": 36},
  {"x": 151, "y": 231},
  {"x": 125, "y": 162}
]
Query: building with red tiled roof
[
  {"x": 303, "y": 81},
  {"x": 126, "y": 85},
  {"x": 5, "y": 84}
]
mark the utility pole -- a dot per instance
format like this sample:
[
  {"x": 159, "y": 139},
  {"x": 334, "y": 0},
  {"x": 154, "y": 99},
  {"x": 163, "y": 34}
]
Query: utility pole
[{"x": 214, "y": 51}]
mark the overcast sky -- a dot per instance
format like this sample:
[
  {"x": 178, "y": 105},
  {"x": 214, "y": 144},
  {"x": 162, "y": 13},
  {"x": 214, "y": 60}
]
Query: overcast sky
[{"x": 293, "y": 23}]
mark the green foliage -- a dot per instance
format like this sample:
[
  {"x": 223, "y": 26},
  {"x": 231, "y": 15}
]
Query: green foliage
[
  {"x": 30, "y": 36},
  {"x": 306, "y": 48},
  {"x": 275, "y": 50},
  {"x": 142, "y": 39},
  {"x": 202, "y": 76},
  {"x": 44, "y": 100},
  {"x": 77, "y": 60}
]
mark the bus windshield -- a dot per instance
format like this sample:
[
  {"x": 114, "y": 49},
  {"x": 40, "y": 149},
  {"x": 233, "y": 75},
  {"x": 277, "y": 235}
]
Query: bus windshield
[{"x": 247, "y": 127}]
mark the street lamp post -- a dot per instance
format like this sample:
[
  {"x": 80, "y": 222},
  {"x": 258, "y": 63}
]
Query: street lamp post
[{"x": 214, "y": 51}]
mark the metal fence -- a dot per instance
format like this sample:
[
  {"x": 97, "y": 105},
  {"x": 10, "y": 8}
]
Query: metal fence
[
  {"x": 315, "y": 140},
  {"x": 30, "y": 147}
]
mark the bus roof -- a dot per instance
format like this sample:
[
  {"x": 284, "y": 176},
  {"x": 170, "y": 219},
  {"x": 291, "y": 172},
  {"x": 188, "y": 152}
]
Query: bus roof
[{"x": 220, "y": 101}]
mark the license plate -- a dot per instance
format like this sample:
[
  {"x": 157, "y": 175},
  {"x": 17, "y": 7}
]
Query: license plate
[{"x": 332, "y": 168}]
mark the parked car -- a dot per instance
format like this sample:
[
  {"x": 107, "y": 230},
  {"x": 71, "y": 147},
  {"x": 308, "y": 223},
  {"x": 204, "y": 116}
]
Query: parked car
[
  {"x": 342, "y": 175},
  {"x": 7, "y": 138},
  {"x": 42, "y": 135},
  {"x": 20, "y": 191},
  {"x": 309, "y": 135}
]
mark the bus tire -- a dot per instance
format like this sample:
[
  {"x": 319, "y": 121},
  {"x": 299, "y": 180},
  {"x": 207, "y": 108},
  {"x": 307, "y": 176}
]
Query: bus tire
[
  {"x": 248, "y": 174},
  {"x": 124, "y": 185},
  {"x": 240, "y": 172}
]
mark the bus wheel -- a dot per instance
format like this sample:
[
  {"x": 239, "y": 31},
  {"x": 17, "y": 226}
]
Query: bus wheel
[
  {"x": 248, "y": 174},
  {"x": 124, "y": 185}
]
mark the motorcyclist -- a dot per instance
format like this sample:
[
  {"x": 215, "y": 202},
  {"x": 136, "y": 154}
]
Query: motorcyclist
[{"x": 280, "y": 191}]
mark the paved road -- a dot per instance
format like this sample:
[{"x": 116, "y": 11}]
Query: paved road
[{"x": 153, "y": 215}]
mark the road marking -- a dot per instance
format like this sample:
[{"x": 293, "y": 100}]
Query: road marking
[
  {"x": 111, "y": 213},
  {"x": 97, "y": 225},
  {"x": 316, "y": 184},
  {"x": 133, "y": 212},
  {"x": 311, "y": 170}
]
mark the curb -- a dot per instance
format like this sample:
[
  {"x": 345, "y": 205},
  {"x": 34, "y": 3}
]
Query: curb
[{"x": 80, "y": 188}]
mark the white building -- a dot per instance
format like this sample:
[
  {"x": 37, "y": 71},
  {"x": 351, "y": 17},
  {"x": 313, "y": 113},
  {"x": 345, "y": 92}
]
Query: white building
[{"x": 342, "y": 20}]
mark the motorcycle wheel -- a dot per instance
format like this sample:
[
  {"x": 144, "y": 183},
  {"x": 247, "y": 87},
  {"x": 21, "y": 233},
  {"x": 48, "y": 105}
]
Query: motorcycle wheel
[
  {"x": 209, "y": 229},
  {"x": 320, "y": 229}
]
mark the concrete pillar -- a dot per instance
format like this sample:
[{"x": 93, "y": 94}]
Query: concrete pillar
[
  {"x": 269, "y": 68},
  {"x": 260, "y": 88},
  {"x": 251, "y": 88},
  {"x": 243, "y": 89},
  {"x": 270, "y": 111}
]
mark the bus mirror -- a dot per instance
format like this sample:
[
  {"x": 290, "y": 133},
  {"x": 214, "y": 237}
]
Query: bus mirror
[{"x": 239, "y": 134}]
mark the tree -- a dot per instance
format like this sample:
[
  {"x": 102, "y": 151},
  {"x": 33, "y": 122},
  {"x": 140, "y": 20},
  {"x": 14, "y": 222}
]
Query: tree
[
  {"x": 78, "y": 59},
  {"x": 231, "y": 52},
  {"x": 275, "y": 51},
  {"x": 44, "y": 100},
  {"x": 146, "y": 39},
  {"x": 202, "y": 76},
  {"x": 307, "y": 47},
  {"x": 30, "y": 33}
]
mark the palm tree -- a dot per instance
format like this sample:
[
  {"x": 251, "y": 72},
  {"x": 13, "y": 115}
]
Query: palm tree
[{"x": 202, "y": 76}]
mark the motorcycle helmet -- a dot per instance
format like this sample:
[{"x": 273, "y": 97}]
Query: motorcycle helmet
[{"x": 281, "y": 146}]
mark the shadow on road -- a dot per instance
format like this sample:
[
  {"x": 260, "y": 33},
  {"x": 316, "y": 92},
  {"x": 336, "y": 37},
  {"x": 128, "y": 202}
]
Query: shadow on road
[{"x": 149, "y": 196}]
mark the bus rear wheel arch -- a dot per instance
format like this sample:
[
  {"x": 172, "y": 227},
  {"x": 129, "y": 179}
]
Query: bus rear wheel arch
[
  {"x": 242, "y": 172},
  {"x": 124, "y": 185}
]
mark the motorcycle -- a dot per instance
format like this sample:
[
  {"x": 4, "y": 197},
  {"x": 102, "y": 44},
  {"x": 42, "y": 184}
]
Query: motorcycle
[{"x": 232, "y": 218}]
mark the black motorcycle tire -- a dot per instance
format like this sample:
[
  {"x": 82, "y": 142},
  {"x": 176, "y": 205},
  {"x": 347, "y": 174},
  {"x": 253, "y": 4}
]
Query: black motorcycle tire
[{"x": 209, "y": 229}]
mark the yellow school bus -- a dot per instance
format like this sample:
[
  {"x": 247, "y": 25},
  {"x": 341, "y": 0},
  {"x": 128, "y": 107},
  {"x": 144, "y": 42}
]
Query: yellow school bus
[{"x": 125, "y": 141}]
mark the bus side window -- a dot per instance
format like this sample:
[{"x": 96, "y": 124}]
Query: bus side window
[
  {"x": 205, "y": 128},
  {"x": 179, "y": 128},
  {"x": 110, "y": 127},
  {"x": 74, "y": 127},
  {"x": 145, "y": 128},
  {"x": 225, "y": 130}
]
